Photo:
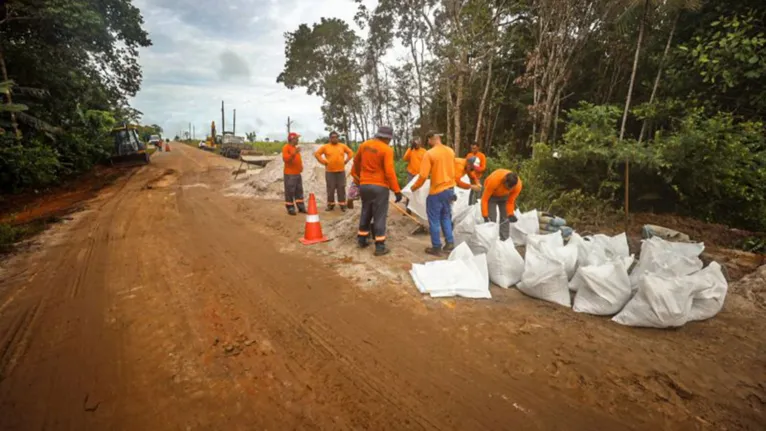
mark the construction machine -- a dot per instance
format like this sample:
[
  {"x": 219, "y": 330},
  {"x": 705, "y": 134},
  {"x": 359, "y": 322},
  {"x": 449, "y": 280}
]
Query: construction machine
[{"x": 128, "y": 148}]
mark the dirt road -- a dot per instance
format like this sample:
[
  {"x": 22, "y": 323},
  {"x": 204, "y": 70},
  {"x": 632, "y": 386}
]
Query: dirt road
[{"x": 166, "y": 305}]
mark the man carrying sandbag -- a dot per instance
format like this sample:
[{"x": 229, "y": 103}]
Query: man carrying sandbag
[
  {"x": 439, "y": 165},
  {"x": 498, "y": 201}
]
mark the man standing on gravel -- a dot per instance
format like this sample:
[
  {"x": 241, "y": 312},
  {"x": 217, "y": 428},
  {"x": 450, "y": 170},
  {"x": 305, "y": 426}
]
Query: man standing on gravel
[
  {"x": 439, "y": 165},
  {"x": 336, "y": 155},
  {"x": 374, "y": 171},
  {"x": 291, "y": 155}
]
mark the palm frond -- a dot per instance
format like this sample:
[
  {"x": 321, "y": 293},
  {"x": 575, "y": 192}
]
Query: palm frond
[
  {"x": 29, "y": 91},
  {"x": 13, "y": 107},
  {"x": 36, "y": 123}
]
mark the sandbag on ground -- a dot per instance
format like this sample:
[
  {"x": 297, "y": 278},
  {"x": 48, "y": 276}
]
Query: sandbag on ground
[
  {"x": 667, "y": 259},
  {"x": 600, "y": 249},
  {"x": 462, "y": 274},
  {"x": 663, "y": 302},
  {"x": 526, "y": 224},
  {"x": 505, "y": 264},
  {"x": 545, "y": 276},
  {"x": 602, "y": 290}
]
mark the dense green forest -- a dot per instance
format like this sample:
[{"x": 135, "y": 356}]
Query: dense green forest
[
  {"x": 583, "y": 97},
  {"x": 67, "y": 69}
]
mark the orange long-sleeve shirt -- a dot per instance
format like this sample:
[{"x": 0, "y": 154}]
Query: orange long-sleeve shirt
[
  {"x": 334, "y": 156},
  {"x": 292, "y": 159},
  {"x": 494, "y": 186},
  {"x": 439, "y": 165},
  {"x": 482, "y": 162},
  {"x": 374, "y": 165},
  {"x": 414, "y": 158},
  {"x": 460, "y": 171}
]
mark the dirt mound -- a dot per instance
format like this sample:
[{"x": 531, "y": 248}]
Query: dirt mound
[
  {"x": 267, "y": 183},
  {"x": 752, "y": 287},
  {"x": 345, "y": 228}
]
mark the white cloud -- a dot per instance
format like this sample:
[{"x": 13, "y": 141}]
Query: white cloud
[{"x": 231, "y": 50}]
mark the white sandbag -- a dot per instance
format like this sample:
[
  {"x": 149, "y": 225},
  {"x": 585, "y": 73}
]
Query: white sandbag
[
  {"x": 600, "y": 249},
  {"x": 660, "y": 302},
  {"x": 417, "y": 199},
  {"x": 505, "y": 264},
  {"x": 602, "y": 290},
  {"x": 668, "y": 259},
  {"x": 713, "y": 287},
  {"x": 554, "y": 240},
  {"x": 544, "y": 276},
  {"x": 483, "y": 238},
  {"x": 567, "y": 255},
  {"x": 526, "y": 224},
  {"x": 462, "y": 274},
  {"x": 464, "y": 229},
  {"x": 460, "y": 206}
]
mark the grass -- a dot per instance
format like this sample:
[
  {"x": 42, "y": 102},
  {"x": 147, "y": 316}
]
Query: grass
[{"x": 12, "y": 235}]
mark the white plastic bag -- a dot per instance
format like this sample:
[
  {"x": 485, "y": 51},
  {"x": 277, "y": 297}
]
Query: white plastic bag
[
  {"x": 713, "y": 287},
  {"x": 668, "y": 259},
  {"x": 526, "y": 224},
  {"x": 417, "y": 199},
  {"x": 602, "y": 290},
  {"x": 462, "y": 274},
  {"x": 505, "y": 264},
  {"x": 600, "y": 249},
  {"x": 660, "y": 302},
  {"x": 554, "y": 242},
  {"x": 544, "y": 276},
  {"x": 483, "y": 238}
]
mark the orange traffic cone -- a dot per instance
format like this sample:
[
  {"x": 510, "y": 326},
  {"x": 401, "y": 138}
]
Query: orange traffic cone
[
  {"x": 313, "y": 233},
  {"x": 167, "y": 147}
]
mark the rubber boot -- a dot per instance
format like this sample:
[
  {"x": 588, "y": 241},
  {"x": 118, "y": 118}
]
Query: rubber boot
[
  {"x": 363, "y": 241},
  {"x": 381, "y": 249},
  {"x": 342, "y": 208},
  {"x": 291, "y": 210},
  {"x": 330, "y": 207},
  {"x": 448, "y": 247},
  {"x": 434, "y": 251},
  {"x": 302, "y": 208}
]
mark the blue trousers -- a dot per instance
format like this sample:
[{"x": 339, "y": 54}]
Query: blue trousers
[{"x": 439, "y": 210}]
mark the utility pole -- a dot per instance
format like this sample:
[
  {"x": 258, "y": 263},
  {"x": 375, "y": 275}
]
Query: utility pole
[
  {"x": 190, "y": 132},
  {"x": 194, "y": 131},
  {"x": 234, "y": 125},
  {"x": 289, "y": 123},
  {"x": 223, "y": 120}
]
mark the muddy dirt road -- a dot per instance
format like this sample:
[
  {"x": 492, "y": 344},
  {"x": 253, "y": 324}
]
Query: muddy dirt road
[{"x": 166, "y": 305}]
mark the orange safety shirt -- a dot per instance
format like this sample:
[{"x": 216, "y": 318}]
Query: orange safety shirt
[
  {"x": 460, "y": 171},
  {"x": 374, "y": 165},
  {"x": 482, "y": 162},
  {"x": 292, "y": 159},
  {"x": 414, "y": 158},
  {"x": 494, "y": 186},
  {"x": 439, "y": 165},
  {"x": 334, "y": 156}
]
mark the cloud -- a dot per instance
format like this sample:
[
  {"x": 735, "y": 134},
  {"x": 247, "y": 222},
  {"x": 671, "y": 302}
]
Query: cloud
[{"x": 232, "y": 50}]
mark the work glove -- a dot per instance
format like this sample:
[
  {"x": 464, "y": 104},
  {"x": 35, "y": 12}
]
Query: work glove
[
  {"x": 486, "y": 219},
  {"x": 512, "y": 218},
  {"x": 398, "y": 197}
]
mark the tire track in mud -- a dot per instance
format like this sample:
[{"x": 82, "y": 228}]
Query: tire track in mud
[{"x": 16, "y": 340}]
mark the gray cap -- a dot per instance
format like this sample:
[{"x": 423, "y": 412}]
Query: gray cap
[{"x": 385, "y": 132}]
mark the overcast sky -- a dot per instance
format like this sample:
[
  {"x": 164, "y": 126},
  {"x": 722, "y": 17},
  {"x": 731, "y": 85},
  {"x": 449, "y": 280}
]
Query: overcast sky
[{"x": 206, "y": 51}]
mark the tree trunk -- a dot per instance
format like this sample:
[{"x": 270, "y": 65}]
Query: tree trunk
[
  {"x": 418, "y": 78},
  {"x": 449, "y": 111},
  {"x": 456, "y": 112},
  {"x": 8, "y": 98},
  {"x": 627, "y": 106},
  {"x": 483, "y": 103},
  {"x": 556, "y": 119},
  {"x": 659, "y": 75}
]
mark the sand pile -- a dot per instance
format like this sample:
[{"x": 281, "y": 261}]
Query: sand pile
[
  {"x": 345, "y": 228},
  {"x": 268, "y": 182}
]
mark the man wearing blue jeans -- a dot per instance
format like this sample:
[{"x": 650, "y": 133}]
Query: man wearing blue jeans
[{"x": 438, "y": 164}]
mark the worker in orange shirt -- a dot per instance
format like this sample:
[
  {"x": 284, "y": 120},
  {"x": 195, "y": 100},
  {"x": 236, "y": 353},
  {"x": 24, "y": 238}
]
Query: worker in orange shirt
[
  {"x": 467, "y": 167},
  {"x": 481, "y": 167},
  {"x": 413, "y": 157},
  {"x": 334, "y": 156},
  {"x": 291, "y": 155},
  {"x": 373, "y": 170},
  {"x": 439, "y": 165},
  {"x": 498, "y": 201}
]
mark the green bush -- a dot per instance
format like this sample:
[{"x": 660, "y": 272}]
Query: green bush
[{"x": 33, "y": 164}]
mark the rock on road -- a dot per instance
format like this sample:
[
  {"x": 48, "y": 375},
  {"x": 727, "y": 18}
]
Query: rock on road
[{"x": 161, "y": 307}]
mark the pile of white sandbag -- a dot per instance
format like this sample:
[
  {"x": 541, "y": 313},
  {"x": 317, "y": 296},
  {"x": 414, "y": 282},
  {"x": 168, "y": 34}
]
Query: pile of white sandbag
[{"x": 667, "y": 287}]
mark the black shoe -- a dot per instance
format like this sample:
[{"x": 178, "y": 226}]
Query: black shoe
[
  {"x": 291, "y": 211},
  {"x": 342, "y": 208},
  {"x": 381, "y": 249},
  {"x": 302, "y": 209},
  {"x": 363, "y": 241},
  {"x": 330, "y": 207},
  {"x": 448, "y": 247},
  {"x": 434, "y": 251}
]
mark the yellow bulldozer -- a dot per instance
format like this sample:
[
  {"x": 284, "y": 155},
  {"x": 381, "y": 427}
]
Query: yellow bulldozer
[{"x": 128, "y": 147}]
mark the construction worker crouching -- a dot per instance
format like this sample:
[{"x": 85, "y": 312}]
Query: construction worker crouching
[
  {"x": 373, "y": 170},
  {"x": 291, "y": 155},
  {"x": 336, "y": 155},
  {"x": 498, "y": 201},
  {"x": 439, "y": 165}
]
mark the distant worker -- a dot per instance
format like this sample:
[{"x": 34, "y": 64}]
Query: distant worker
[
  {"x": 498, "y": 201},
  {"x": 439, "y": 165},
  {"x": 467, "y": 167},
  {"x": 373, "y": 170},
  {"x": 336, "y": 155},
  {"x": 291, "y": 155},
  {"x": 481, "y": 161},
  {"x": 414, "y": 157}
]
